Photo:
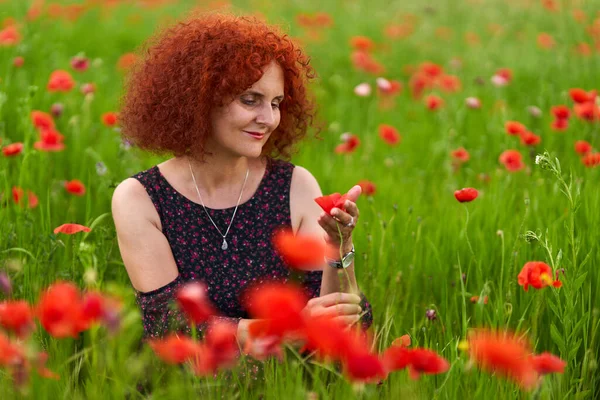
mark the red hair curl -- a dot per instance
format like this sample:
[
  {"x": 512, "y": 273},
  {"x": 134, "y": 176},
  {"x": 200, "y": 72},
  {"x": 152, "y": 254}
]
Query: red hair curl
[{"x": 197, "y": 65}]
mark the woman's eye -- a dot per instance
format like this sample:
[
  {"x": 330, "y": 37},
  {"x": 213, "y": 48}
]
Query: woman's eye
[
  {"x": 275, "y": 105},
  {"x": 249, "y": 102}
]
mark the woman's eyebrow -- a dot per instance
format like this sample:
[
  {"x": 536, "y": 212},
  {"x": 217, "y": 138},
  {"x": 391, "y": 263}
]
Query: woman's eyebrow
[{"x": 258, "y": 94}]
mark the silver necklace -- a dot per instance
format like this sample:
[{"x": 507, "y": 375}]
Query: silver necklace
[{"x": 224, "y": 245}]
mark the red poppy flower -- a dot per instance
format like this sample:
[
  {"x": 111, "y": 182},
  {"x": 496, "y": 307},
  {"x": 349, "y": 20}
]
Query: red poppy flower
[
  {"x": 431, "y": 69},
  {"x": 175, "y": 349},
  {"x": 363, "y": 61},
  {"x": 503, "y": 353},
  {"x": 505, "y": 73},
  {"x": 300, "y": 252},
  {"x": 9, "y": 36},
  {"x": 334, "y": 200},
  {"x": 348, "y": 146},
  {"x": 88, "y": 88},
  {"x": 109, "y": 118},
  {"x": 559, "y": 124},
  {"x": 561, "y": 112},
  {"x": 449, "y": 83},
  {"x": 531, "y": 139},
  {"x": 75, "y": 187},
  {"x": 221, "y": 340},
  {"x": 126, "y": 61},
  {"x": 280, "y": 304},
  {"x": 80, "y": 63},
  {"x": 460, "y": 155},
  {"x": 424, "y": 361},
  {"x": 545, "y": 41},
  {"x": 59, "y": 310},
  {"x": 475, "y": 299},
  {"x": 587, "y": 111},
  {"x": 17, "y": 316},
  {"x": 591, "y": 159},
  {"x": 514, "y": 128},
  {"x": 193, "y": 299},
  {"x": 547, "y": 363},
  {"x": 12, "y": 149},
  {"x": 389, "y": 134},
  {"x": 537, "y": 274},
  {"x": 396, "y": 358},
  {"x": 60, "y": 81},
  {"x": 512, "y": 160},
  {"x": 466, "y": 195},
  {"x": 18, "y": 62},
  {"x": 368, "y": 187},
  {"x": 70, "y": 229},
  {"x": 434, "y": 102},
  {"x": 581, "y": 96},
  {"x": 10, "y": 353},
  {"x": 393, "y": 88},
  {"x": 402, "y": 341},
  {"x": 364, "y": 367},
  {"x": 582, "y": 147},
  {"x": 18, "y": 197},
  {"x": 50, "y": 140},
  {"x": 42, "y": 120},
  {"x": 362, "y": 43}
]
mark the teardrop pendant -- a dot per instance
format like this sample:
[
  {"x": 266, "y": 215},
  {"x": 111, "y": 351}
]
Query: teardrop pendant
[{"x": 224, "y": 245}]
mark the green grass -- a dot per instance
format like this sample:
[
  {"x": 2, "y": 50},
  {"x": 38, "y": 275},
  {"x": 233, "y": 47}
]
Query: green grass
[{"x": 413, "y": 241}]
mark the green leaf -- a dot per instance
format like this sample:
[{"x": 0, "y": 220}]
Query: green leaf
[
  {"x": 579, "y": 281},
  {"x": 558, "y": 339}
]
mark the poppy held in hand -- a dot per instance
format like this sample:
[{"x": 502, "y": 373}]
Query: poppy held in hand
[
  {"x": 537, "y": 274},
  {"x": 334, "y": 200},
  {"x": 466, "y": 194}
]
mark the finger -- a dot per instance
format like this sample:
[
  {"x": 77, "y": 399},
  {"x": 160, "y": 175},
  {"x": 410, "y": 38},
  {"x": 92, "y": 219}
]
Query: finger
[
  {"x": 354, "y": 193},
  {"x": 352, "y": 209},
  {"x": 328, "y": 223},
  {"x": 344, "y": 218},
  {"x": 344, "y": 309},
  {"x": 339, "y": 298}
]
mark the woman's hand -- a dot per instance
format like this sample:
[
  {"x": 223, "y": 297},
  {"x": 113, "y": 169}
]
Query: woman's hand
[
  {"x": 346, "y": 221},
  {"x": 344, "y": 307}
]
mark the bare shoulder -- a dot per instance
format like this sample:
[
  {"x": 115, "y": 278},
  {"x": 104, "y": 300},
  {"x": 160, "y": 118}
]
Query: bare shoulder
[
  {"x": 304, "y": 189},
  {"x": 130, "y": 201},
  {"x": 303, "y": 181}
]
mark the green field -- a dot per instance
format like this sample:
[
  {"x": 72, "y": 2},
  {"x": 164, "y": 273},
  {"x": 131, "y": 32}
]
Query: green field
[{"x": 418, "y": 249}]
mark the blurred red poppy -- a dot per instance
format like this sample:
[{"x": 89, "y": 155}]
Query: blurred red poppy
[
  {"x": 512, "y": 160},
  {"x": 109, "y": 118},
  {"x": 334, "y": 200},
  {"x": 514, "y": 128},
  {"x": 59, "y": 310},
  {"x": 560, "y": 112},
  {"x": 348, "y": 146},
  {"x": 281, "y": 305},
  {"x": 10, "y": 353},
  {"x": 42, "y": 120},
  {"x": 545, "y": 41},
  {"x": 193, "y": 299},
  {"x": 126, "y": 61},
  {"x": 538, "y": 275},
  {"x": 466, "y": 195},
  {"x": 364, "y": 366},
  {"x": 80, "y": 63},
  {"x": 424, "y": 361},
  {"x": 9, "y": 36},
  {"x": 175, "y": 349},
  {"x": 50, "y": 140},
  {"x": 300, "y": 252},
  {"x": 12, "y": 149},
  {"x": 530, "y": 139},
  {"x": 591, "y": 160},
  {"x": 502, "y": 353},
  {"x": 559, "y": 124},
  {"x": 587, "y": 111},
  {"x": 389, "y": 134},
  {"x": 547, "y": 363},
  {"x": 70, "y": 229},
  {"x": 17, "y": 316},
  {"x": 362, "y": 43},
  {"x": 449, "y": 83},
  {"x": 434, "y": 102},
  {"x": 368, "y": 187},
  {"x": 402, "y": 341},
  {"x": 579, "y": 95},
  {"x": 221, "y": 340},
  {"x": 18, "y": 197},
  {"x": 475, "y": 299},
  {"x": 461, "y": 155},
  {"x": 75, "y": 187},
  {"x": 60, "y": 81},
  {"x": 583, "y": 147}
]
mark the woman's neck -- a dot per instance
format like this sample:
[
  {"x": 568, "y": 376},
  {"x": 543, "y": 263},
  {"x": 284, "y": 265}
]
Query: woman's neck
[{"x": 215, "y": 175}]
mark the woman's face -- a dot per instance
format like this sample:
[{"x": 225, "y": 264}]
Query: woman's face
[{"x": 242, "y": 127}]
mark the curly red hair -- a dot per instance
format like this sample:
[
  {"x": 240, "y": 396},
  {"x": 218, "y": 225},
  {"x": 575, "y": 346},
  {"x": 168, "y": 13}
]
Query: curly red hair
[{"x": 197, "y": 65}]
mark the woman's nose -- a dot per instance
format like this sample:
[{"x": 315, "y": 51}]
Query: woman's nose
[{"x": 266, "y": 116}]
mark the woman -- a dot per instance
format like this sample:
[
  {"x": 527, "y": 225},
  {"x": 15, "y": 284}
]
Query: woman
[{"x": 227, "y": 97}]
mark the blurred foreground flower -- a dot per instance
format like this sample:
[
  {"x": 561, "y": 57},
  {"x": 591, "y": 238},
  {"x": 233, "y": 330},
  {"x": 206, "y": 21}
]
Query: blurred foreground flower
[{"x": 300, "y": 252}]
